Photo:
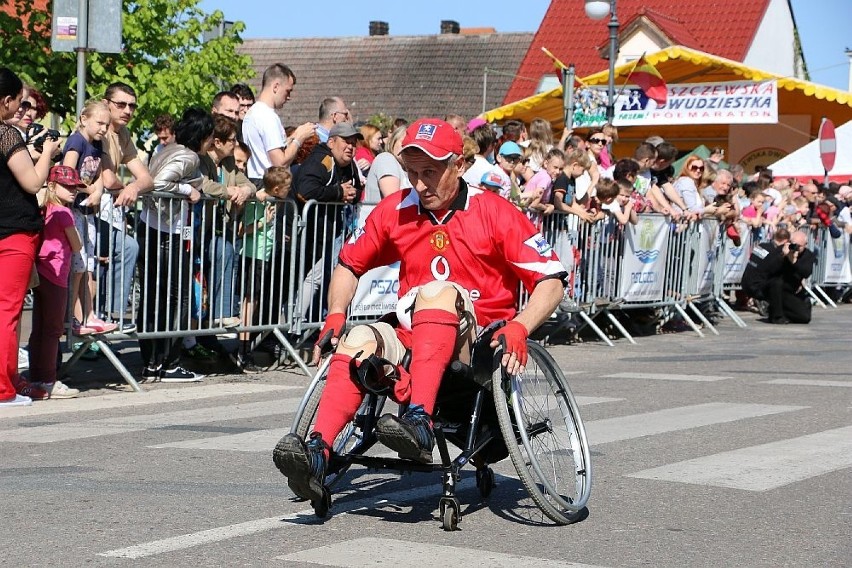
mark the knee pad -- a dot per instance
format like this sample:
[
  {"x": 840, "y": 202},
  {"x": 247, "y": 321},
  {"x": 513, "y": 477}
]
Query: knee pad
[
  {"x": 442, "y": 295},
  {"x": 376, "y": 352}
]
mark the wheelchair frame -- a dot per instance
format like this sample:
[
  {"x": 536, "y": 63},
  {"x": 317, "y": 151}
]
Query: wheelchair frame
[{"x": 561, "y": 501}]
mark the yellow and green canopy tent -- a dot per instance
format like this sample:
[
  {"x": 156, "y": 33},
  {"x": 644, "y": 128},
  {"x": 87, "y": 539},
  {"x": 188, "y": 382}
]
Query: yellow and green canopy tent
[{"x": 678, "y": 65}]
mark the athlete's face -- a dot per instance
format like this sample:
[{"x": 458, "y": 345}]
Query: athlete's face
[{"x": 435, "y": 181}]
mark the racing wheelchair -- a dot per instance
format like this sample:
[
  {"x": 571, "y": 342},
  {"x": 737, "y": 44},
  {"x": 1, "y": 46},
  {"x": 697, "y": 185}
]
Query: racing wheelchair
[{"x": 531, "y": 417}]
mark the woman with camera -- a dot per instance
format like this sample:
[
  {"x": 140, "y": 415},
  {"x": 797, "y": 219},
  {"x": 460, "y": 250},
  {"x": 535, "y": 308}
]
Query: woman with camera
[{"x": 20, "y": 226}]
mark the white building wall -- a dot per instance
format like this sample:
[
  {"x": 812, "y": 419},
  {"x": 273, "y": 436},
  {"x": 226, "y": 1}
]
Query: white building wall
[
  {"x": 773, "y": 48},
  {"x": 633, "y": 47}
]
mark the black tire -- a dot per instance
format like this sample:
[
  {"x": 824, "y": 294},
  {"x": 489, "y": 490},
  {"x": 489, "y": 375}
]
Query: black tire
[
  {"x": 348, "y": 438},
  {"x": 550, "y": 453}
]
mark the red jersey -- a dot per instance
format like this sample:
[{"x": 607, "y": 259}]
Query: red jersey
[{"x": 482, "y": 243}]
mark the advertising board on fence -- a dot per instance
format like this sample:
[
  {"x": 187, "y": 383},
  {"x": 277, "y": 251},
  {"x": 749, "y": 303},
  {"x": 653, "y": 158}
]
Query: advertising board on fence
[
  {"x": 376, "y": 294},
  {"x": 736, "y": 259},
  {"x": 732, "y": 102},
  {"x": 836, "y": 265},
  {"x": 707, "y": 233},
  {"x": 644, "y": 262}
]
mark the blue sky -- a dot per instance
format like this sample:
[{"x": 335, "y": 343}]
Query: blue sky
[{"x": 824, "y": 25}]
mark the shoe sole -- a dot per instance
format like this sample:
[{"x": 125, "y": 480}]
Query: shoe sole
[
  {"x": 395, "y": 437},
  {"x": 187, "y": 380},
  {"x": 290, "y": 459},
  {"x": 54, "y": 396}
]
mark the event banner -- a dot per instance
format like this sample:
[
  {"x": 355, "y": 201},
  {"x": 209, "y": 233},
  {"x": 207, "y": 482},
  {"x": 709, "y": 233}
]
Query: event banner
[
  {"x": 708, "y": 233},
  {"x": 836, "y": 253},
  {"x": 376, "y": 294},
  {"x": 736, "y": 258},
  {"x": 733, "y": 102},
  {"x": 644, "y": 264}
]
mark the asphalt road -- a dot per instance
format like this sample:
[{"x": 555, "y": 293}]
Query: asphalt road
[{"x": 731, "y": 450}]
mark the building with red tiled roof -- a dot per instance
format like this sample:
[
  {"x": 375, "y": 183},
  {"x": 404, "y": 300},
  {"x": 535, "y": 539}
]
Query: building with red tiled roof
[
  {"x": 758, "y": 33},
  {"x": 461, "y": 71}
]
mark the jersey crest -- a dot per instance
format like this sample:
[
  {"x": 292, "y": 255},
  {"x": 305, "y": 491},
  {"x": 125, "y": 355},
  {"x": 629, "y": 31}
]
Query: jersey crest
[{"x": 439, "y": 240}]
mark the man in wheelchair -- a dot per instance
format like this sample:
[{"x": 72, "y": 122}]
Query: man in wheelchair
[{"x": 463, "y": 254}]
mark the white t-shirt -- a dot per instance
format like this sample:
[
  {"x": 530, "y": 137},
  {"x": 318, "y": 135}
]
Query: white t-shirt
[
  {"x": 480, "y": 167},
  {"x": 262, "y": 131}
]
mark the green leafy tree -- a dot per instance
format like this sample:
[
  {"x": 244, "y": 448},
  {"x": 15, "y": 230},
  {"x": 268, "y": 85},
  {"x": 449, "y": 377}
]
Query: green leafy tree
[{"x": 165, "y": 58}]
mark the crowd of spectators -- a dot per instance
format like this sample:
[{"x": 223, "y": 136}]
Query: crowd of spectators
[{"x": 239, "y": 155}]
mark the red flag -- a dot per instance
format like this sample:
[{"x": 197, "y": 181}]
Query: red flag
[{"x": 649, "y": 80}]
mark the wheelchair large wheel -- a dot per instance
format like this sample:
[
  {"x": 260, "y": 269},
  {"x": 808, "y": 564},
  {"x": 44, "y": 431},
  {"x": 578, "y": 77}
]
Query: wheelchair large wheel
[
  {"x": 351, "y": 435},
  {"x": 544, "y": 433}
]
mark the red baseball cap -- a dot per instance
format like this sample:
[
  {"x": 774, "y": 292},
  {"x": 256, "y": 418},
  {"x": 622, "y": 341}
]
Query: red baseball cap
[
  {"x": 65, "y": 176},
  {"x": 438, "y": 139}
]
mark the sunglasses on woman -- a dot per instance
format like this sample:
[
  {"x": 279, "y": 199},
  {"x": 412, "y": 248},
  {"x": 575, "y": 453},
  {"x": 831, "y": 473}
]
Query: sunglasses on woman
[
  {"x": 597, "y": 140},
  {"x": 696, "y": 168}
]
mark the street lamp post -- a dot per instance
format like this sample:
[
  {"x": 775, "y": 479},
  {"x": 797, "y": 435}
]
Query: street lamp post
[{"x": 598, "y": 10}]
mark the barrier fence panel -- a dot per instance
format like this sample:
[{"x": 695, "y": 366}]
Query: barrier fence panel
[
  {"x": 196, "y": 270},
  {"x": 168, "y": 269}
]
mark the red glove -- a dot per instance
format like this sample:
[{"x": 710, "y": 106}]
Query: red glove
[
  {"x": 333, "y": 328},
  {"x": 513, "y": 337}
]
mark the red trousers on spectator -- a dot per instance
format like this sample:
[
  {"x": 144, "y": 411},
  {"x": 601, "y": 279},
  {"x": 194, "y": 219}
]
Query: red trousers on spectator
[
  {"x": 50, "y": 303},
  {"x": 17, "y": 257}
]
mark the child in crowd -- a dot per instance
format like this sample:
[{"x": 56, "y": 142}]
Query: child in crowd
[
  {"x": 241, "y": 156},
  {"x": 577, "y": 162},
  {"x": 753, "y": 214},
  {"x": 258, "y": 233},
  {"x": 50, "y": 297},
  {"x": 617, "y": 200},
  {"x": 541, "y": 184},
  {"x": 84, "y": 152}
]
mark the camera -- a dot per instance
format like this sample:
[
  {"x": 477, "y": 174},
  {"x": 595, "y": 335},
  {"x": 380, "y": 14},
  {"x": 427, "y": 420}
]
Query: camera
[
  {"x": 793, "y": 247},
  {"x": 34, "y": 130}
]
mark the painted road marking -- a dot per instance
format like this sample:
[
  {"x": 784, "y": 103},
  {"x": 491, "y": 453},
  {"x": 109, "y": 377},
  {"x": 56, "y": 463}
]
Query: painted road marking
[
  {"x": 675, "y": 419},
  {"x": 122, "y": 424},
  {"x": 808, "y": 383},
  {"x": 391, "y": 553},
  {"x": 129, "y": 399},
  {"x": 666, "y": 377},
  {"x": 763, "y": 467}
]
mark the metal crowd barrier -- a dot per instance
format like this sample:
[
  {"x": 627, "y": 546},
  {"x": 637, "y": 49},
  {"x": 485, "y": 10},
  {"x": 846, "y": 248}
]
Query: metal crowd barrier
[
  {"x": 169, "y": 269},
  {"x": 164, "y": 284}
]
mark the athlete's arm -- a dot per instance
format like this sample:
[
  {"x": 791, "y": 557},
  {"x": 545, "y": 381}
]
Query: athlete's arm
[{"x": 341, "y": 290}]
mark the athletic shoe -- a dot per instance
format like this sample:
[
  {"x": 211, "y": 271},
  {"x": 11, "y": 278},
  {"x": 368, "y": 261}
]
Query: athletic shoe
[
  {"x": 150, "y": 374},
  {"x": 125, "y": 327},
  {"x": 92, "y": 353},
  {"x": 59, "y": 390},
  {"x": 23, "y": 359},
  {"x": 199, "y": 352},
  {"x": 411, "y": 436},
  {"x": 31, "y": 390},
  {"x": 180, "y": 375},
  {"x": 302, "y": 464},
  {"x": 18, "y": 400},
  {"x": 227, "y": 322},
  {"x": 245, "y": 363}
]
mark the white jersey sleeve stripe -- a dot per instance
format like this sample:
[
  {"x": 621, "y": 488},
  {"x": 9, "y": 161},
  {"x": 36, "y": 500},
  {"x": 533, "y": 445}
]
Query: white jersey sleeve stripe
[{"x": 547, "y": 267}]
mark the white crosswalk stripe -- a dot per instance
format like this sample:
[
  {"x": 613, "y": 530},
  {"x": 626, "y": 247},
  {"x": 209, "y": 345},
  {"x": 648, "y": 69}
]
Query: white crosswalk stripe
[
  {"x": 674, "y": 419},
  {"x": 391, "y": 553},
  {"x": 666, "y": 377},
  {"x": 763, "y": 467},
  {"x": 809, "y": 383},
  {"x": 122, "y": 424}
]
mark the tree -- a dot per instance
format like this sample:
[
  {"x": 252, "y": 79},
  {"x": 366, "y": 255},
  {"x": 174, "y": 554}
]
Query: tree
[{"x": 165, "y": 58}]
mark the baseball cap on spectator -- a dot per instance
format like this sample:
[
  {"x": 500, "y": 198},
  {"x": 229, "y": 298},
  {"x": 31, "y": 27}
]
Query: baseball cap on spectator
[
  {"x": 438, "y": 139},
  {"x": 510, "y": 149},
  {"x": 474, "y": 123},
  {"x": 654, "y": 140},
  {"x": 493, "y": 180},
  {"x": 344, "y": 130},
  {"x": 845, "y": 192},
  {"x": 66, "y": 176}
]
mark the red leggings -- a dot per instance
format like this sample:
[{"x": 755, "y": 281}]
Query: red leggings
[{"x": 17, "y": 257}]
